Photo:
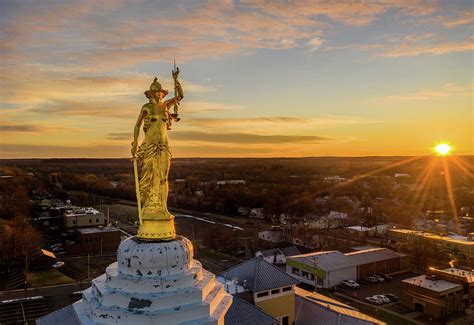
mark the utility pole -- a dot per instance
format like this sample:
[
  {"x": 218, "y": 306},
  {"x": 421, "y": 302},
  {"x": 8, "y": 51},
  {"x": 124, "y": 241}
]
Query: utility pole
[
  {"x": 315, "y": 276},
  {"x": 194, "y": 241},
  {"x": 88, "y": 265}
]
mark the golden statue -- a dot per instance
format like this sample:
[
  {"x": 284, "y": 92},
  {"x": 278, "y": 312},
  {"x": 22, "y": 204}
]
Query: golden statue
[{"x": 156, "y": 222}]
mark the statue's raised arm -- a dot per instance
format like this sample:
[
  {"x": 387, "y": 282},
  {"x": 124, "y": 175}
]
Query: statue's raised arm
[{"x": 178, "y": 95}]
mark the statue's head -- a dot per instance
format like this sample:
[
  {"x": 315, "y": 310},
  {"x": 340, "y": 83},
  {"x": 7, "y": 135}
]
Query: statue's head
[{"x": 156, "y": 91}]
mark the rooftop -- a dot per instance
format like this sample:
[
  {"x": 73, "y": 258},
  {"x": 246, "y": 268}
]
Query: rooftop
[
  {"x": 81, "y": 211},
  {"x": 93, "y": 230},
  {"x": 372, "y": 255},
  {"x": 242, "y": 312},
  {"x": 454, "y": 273},
  {"x": 434, "y": 285},
  {"x": 358, "y": 228},
  {"x": 330, "y": 260},
  {"x": 286, "y": 251},
  {"x": 311, "y": 306},
  {"x": 334, "y": 260},
  {"x": 259, "y": 275},
  {"x": 449, "y": 238}
]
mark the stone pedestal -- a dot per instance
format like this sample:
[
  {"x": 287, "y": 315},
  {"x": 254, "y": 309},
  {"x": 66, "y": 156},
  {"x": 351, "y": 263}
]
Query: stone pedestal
[{"x": 154, "y": 283}]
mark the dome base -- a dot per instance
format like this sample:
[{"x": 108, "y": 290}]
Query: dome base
[{"x": 154, "y": 283}]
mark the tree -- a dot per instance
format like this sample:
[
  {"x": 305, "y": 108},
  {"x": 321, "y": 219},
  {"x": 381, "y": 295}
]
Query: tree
[{"x": 19, "y": 239}]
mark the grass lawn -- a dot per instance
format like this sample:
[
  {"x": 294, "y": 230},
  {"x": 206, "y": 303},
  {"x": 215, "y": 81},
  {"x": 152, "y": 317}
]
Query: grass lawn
[
  {"x": 215, "y": 255},
  {"x": 47, "y": 277}
]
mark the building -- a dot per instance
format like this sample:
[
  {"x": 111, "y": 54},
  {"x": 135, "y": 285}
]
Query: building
[
  {"x": 265, "y": 286},
  {"x": 151, "y": 283},
  {"x": 331, "y": 267},
  {"x": 275, "y": 234},
  {"x": 433, "y": 296},
  {"x": 95, "y": 240},
  {"x": 257, "y": 213},
  {"x": 459, "y": 276},
  {"x": 270, "y": 291},
  {"x": 359, "y": 231},
  {"x": 461, "y": 246},
  {"x": 243, "y": 312},
  {"x": 83, "y": 217},
  {"x": 277, "y": 256}
]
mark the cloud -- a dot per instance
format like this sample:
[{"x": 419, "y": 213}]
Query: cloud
[
  {"x": 14, "y": 150},
  {"x": 315, "y": 43},
  {"x": 459, "y": 18},
  {"x": 202, "y": 106},
  {"x": 272, "y": 122},
  {"x": 119, "y": 136},
  {"x": 243, "y": 138},
  {"x": 10, "y": 127},
  {"x": 414, "y": 46},
  {"x": 152, "y": 32},
  {"x": 19, "y": 128},
  {"x": 423, "y": 95}
]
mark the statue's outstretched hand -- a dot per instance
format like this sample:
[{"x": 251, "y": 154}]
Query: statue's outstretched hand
[{"x": 175, "y": 73}]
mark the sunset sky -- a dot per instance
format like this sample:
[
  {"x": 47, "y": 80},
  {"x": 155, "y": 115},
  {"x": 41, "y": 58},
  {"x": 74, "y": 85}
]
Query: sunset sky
[{"x": 261, "y": 78}]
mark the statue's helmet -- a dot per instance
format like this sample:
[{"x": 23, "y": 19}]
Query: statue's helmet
[{"x": 156, "y": 87}]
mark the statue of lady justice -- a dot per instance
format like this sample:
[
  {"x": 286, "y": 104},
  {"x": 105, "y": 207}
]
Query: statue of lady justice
[{"x": 156, "y": 222}]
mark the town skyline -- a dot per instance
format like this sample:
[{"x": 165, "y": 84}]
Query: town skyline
[{"x": 260, "y": 79}]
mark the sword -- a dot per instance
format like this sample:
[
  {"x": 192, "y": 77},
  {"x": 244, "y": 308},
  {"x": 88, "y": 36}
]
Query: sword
[
  {"x": 137, "y": 189},
  {"x": 176, "y": 103}
]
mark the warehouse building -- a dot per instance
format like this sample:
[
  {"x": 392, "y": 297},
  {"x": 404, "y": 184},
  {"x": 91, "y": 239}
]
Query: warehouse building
[{"x": 329, "y": 268}]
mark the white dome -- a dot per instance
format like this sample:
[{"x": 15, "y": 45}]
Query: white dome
[{"x": 151, "y": 259}]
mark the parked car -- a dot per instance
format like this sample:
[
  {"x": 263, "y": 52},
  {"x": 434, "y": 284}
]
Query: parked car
[
  {"x": 374, "y": 301},
  {"x": 391, "y": 296},
  {"x": 385, "y": 276},
  {"x": 371, "y": 279},
  {"x": 57, "y": 265},
  {"x": 378, "y": 277},
  {"x": 384, "y": 299},
  {"x": 350, "y": 284}
]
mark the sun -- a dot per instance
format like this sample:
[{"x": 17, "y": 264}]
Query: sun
[{"x": 443, "y": 149}]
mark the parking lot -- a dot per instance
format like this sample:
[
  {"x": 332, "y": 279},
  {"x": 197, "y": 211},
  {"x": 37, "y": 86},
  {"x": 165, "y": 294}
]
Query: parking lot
[{"x": 370, "y": 289}]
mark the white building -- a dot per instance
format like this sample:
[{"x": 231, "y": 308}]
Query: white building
[
  {"x": 275, "y": 234},
  {"x": 83, "y": 217},
  {"x": 257, "y": 213},
  {"x": 277, "y": 256}
]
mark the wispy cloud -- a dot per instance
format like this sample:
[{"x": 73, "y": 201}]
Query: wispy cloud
[
  {"x": 279, "y": 122},
  {"x": 17, "y": 127},
  {"x": 14, "y": 150},
  {"x": 119, "y": 136},
  {"x": 243, "y": 137},
  {"x": 426, "y": 44},
  {"x": 423, "y": 95}
]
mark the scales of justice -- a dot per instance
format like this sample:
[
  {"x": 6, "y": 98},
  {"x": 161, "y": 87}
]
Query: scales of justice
[{"x": 155, "y": 280}]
